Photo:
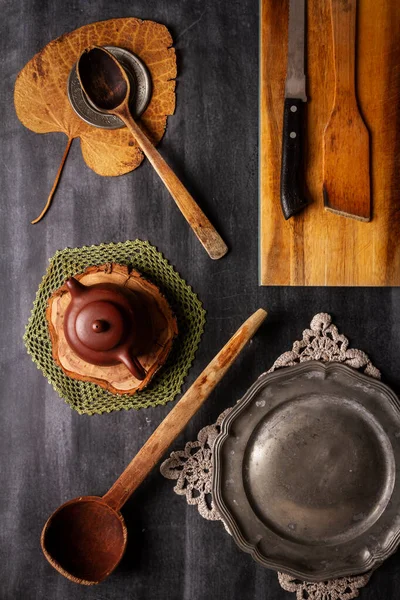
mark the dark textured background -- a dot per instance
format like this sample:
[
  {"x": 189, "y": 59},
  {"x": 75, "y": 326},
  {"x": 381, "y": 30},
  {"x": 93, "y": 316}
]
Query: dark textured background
[{"x": 49, "y": 453}]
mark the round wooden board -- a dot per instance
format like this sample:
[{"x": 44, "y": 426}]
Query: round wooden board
[{"x": 116, "y": 379}]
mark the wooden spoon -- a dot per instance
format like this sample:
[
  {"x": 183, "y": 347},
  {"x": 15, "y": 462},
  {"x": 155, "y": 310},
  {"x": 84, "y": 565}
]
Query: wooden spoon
[
  {"x": 346, "y": 157},
  {"x": 106, "y": 86},
  {"x": 86, "y": 537}
]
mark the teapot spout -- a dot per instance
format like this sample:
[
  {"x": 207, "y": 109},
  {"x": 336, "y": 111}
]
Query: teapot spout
[
  {"x": 134, "y": 366},
  {"x": 75, "y": 288}
]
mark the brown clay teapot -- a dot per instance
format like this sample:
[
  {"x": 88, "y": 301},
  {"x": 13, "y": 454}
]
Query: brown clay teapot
[{"x": 106, "y": 324}]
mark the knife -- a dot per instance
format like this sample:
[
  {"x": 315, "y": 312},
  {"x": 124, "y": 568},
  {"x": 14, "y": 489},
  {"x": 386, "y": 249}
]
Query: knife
[{"x": 293, "y": 199}]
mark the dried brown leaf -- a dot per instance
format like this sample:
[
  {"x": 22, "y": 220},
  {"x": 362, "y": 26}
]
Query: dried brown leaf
[{"x": 42, "y": 104}]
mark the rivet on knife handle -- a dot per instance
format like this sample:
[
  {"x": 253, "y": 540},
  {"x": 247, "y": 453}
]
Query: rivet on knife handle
[{"x": 293, "y": 199}]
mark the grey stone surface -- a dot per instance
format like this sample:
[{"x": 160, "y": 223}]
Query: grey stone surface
[{"x": 49, "y": 453}]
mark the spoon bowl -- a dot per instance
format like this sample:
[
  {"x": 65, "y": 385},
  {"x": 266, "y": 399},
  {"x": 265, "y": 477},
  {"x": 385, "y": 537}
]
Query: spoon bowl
[
  {"x": 84, "y": 539},
  {"x": 103, "y": 79}
]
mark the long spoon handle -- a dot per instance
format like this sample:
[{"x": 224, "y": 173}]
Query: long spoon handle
[
  {"x": 202, "y": 227},
  {"x": 180, "y": 415}
]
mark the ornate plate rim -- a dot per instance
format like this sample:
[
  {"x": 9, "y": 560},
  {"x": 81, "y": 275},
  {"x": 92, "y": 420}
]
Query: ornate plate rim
[{"x": 376, "y": 557}]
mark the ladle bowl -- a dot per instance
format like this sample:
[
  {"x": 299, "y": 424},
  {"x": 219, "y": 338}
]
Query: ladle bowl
[
  {"x": 85, "y": 538},
  {"x": 106, "y": 86}
]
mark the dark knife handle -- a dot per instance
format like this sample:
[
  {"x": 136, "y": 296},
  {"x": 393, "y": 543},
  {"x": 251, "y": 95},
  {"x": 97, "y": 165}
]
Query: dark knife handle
[{"x": 293, "y": 199}]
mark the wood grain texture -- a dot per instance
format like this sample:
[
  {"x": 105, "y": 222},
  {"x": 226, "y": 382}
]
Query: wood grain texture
[
  {"x": 346, "y": 153},
  {"x": 50, "y": 453},
  {"x": 317, "y": 247},
  {"x": 116, "y": 379}
]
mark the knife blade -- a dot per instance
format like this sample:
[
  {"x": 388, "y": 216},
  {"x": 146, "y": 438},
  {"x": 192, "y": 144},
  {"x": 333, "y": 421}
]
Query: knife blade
[{"x": 292, "y": 195}]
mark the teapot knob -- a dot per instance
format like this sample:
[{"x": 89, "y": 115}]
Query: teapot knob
[{"x": 99, "y": 326}]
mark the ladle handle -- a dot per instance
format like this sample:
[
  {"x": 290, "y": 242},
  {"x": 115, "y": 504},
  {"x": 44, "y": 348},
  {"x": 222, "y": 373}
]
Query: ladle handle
[
  {"x": 180, "y": 415},
  {"x": 202, "y": 227}
]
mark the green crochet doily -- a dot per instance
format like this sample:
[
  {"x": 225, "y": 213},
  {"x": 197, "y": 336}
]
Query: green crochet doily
[{"x": 89, "y": 398}]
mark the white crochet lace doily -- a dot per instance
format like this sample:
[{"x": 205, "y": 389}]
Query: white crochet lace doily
[{"x": 192, "y": 467}]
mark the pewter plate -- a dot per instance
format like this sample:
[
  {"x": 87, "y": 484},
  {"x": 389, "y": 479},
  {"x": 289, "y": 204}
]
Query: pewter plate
[
  {"x": 141, "y": 88},
  {"x": 305, "y": 471}
]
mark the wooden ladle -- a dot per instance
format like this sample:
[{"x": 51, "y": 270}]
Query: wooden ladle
[
  {"x": 106, "y": 86},
  {"x": 86, "y": 537}
]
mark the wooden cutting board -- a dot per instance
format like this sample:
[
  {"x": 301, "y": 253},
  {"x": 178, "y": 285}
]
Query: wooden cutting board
[{"x": 318, "y": 247}]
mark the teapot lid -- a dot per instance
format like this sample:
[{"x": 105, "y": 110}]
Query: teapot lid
[{"x": 101, "y": 325}]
